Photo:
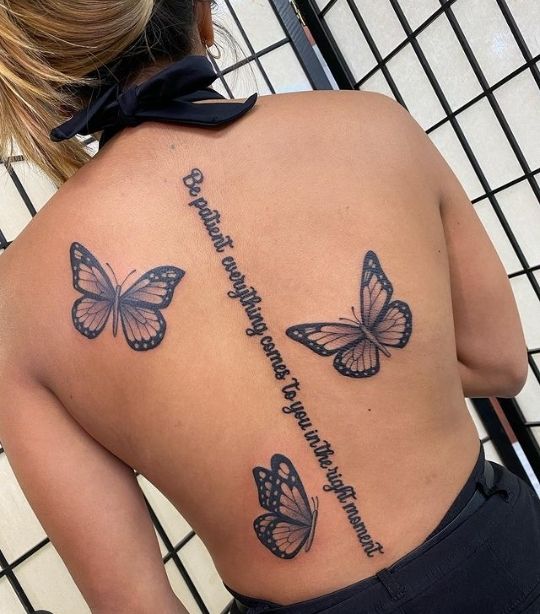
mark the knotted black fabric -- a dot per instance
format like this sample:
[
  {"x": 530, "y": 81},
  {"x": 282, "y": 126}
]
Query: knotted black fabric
[{"x": 170, "y": 95}]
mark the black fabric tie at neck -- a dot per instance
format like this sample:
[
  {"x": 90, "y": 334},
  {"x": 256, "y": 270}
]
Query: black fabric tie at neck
[{"x": 168, "y": 96}]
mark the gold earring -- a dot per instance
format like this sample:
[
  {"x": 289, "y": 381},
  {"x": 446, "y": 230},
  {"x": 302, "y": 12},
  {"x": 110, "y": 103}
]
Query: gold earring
[{"x": 215, "y": 55}]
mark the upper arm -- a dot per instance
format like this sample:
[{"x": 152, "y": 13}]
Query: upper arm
[
  {"x": 490, "y": 344},
  {"x": 489, "y": 335},
  {"x": 87, "y": 500}
]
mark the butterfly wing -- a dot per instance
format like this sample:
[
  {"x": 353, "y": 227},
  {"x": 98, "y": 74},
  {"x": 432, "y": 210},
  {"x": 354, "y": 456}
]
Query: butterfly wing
[
  {"x": 282, "y": 538},
  {"x": 325, "y": 338},
  {"x": 358, "y": 360},
  {"x": 139, "y": 306},
  {"x": 89, "y": 278},
  {"x": 90, "y": 315},
  {"x": 143, "y": 328},
  {"x": 154, "y": 289},
  {"x": 281, "y": 491},
  {"x": 291, "y": 520},
  {"x": 90, "y": 312},
  {"x": 395, "y": 328},
  {"x": 375, "y": 291}
]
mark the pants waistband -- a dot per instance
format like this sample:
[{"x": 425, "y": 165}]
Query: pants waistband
[
  {"x": 487, "y": 484},
  {"x": 405, "y": 567}
]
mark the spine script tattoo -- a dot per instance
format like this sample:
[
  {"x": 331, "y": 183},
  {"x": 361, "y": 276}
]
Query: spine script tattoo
[
  {"x": 290, "y": 523},
  {"x": 356, "y": 345},
  {"x": 138, "y": 308},
  {"x": 250, "y": 300}
]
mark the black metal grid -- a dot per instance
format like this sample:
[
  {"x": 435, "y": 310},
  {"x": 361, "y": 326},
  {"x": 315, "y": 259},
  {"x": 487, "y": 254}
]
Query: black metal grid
[
  {"x": 293, "y": 35},
  {"x": 316, "y": 13}
]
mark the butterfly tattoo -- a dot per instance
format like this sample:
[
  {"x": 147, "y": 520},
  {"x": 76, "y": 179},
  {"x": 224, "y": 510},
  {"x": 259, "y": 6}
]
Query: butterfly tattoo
[
  {"x": 290, "y": 523},
  {"x": 356, "y": 345},
  {"x": 138, "y": 307}
]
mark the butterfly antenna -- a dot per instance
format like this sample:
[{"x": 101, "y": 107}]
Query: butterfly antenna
[
  {"x": 349, "y": 320},
  {"x": 128, "y": 275},
  {"x": 110, "y": 269},
  {"x": 354, "y": 314}
]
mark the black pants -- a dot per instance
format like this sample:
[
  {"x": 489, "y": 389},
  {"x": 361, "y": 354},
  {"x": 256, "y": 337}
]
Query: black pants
[{"x": 483, "y": 558}]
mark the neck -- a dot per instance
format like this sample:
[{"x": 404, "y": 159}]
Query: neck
[{"x": 151, "y": 69}]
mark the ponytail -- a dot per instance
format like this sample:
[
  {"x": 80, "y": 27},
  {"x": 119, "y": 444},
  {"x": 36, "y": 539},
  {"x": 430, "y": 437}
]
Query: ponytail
[{"x": 46, "y": 49}]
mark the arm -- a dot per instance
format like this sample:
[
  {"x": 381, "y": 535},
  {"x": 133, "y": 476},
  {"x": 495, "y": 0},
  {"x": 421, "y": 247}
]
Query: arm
[
  {"x": 87, "y": 500},
  {"x": 491, "y": 349}
]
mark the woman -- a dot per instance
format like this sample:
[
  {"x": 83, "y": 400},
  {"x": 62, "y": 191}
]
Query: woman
[{"x": 182, "y": 306}]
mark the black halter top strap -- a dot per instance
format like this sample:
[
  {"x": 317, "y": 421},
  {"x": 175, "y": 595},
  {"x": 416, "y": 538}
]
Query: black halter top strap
[{"x": 168, "y": 96}]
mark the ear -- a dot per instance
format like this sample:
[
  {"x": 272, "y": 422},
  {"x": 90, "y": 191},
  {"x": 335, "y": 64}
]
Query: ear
[{"x": 203, "y": 14}]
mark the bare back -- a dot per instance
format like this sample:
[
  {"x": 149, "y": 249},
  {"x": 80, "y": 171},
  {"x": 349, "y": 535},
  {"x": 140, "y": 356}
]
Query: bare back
[{"x": 280, "y": 422}]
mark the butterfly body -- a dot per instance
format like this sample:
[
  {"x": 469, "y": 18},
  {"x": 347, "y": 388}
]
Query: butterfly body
[
  {"x": 290, "y": 524},
  {"x": 116, "y": 311},
  {"x": 137, "y": 308},
  {"x": 370, "y": 336},
  {"x": 315, "y": 511},
  {"x": 382, "y": 323}
]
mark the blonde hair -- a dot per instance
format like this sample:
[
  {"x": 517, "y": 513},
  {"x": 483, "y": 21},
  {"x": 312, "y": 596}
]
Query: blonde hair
[{"x": 45, "y": 48}]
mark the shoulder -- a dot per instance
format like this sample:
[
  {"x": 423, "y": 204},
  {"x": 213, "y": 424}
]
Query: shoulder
[
  {"x": 336, "y": 105},
  {"x": 353, "y": 124},
  {"x": 356, "y": 117},
  {"x": 34, "y": 275}
]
